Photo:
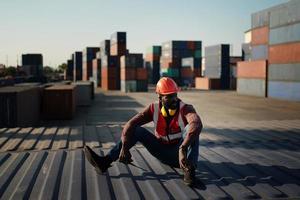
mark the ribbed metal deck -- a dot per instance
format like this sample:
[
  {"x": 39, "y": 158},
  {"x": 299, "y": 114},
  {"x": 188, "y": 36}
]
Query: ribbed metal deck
[{"x": 235, "y": 161}]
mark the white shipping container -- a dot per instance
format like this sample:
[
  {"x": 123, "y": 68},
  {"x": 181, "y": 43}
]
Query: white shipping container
[
  {"x": 259, "y": 52},
  {"x": 285, "y": 14},
  {"x": 254, "y": 87},
  {"x": 290, "y": 33},
  {"x": 284, "y": 72},
  {"x": 284, "y": 90}
]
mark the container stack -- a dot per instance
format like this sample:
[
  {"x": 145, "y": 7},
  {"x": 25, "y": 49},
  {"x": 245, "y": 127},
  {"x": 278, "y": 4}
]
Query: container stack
[
  {"x": 191, "y": 68},
  {"x": 118, "y": 44},
  {"x": 110, "y": 72},
  {"x": 32, "y": 65},
  {"x": 88, "y": 54},
  {"x": 252, "y": 78},
  {"x": 217, "y": 64},
  {"x": 233, "y": 65},
  {"x": 19, "y": 106},
  {"x": 152, "y": 63},
  {"x": 59, "y": 102},
  {"x": 97, "y": 70},
  {"x": 128, "y": 64},
  {"x": 284, "y": 51},
  {"x": 69, "y": 71},
  {"x": 172, "y": 54},
  {"x": 77, "y": 69},
  {"x": 275, "y": 48}
]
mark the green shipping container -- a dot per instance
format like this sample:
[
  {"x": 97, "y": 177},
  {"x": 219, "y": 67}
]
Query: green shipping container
[
  {"x": 171, "y": 72},
  {"x": 198, "y": 54}
]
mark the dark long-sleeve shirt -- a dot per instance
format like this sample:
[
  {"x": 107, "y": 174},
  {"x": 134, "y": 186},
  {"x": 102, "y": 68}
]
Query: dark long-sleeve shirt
[{"x": 189, "y": 116}]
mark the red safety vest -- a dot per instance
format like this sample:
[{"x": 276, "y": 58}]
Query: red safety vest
[{"x": 173, "y": 132}]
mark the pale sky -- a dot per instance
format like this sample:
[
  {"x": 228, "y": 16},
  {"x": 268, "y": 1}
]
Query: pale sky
[{"x": 57, "y": 28}]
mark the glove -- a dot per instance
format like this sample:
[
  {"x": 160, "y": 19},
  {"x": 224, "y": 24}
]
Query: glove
[
  {"x": 183, "y": 161},
  {"x": 125, "y": 155}
]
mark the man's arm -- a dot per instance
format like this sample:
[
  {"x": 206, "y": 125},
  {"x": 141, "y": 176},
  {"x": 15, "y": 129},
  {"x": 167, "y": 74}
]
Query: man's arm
[
  {"x": 139, "y": 119},
  {"x": 195, "y": 125}
]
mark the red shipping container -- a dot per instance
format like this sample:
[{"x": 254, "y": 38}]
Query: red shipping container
[
  {"x": 141, "y": 74},
  {"x": 191, "y": 45},
  {"x": 252, "y": 69},
  {"x": 284, "y": 53},
  {"x": 197, "y": 72},
  {"x": 186, "y": 72},
  {"x": 128, "y": 74},
  {"x": 260, "y": 36}
]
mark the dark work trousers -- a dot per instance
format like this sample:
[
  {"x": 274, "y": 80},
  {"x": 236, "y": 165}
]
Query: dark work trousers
[{"x": 166, "y": 153}]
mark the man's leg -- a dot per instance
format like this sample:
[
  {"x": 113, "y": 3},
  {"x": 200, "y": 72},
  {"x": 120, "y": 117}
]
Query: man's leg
[
  {"x": 167, "y": 154},
  {"x": 193, "y": 149}
]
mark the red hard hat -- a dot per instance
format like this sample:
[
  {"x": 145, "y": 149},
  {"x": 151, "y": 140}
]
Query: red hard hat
[{"x": 166, "y": 86}]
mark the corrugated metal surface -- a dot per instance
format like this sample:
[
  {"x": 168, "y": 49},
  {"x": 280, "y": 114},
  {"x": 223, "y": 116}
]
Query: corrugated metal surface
[
  {"x": 284, "y": 53},
  {"x": 284, "y": 90},
  {"x": 285, "y": 14},
  {"x": 284, "y": 72},
  {"x": 234, "y": 162},
  {"x": 250, "y": 86},
  {"x": 285, "y": 34},
  {"x": 252, "y": 69},
  {"x": 260, "y": 36},
  {"x": 259, "y": 52},
  {"x": 260, "y": 19}
]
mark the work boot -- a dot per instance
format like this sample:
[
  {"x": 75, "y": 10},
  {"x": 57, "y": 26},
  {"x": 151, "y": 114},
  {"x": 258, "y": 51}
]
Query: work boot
[
  {"x": 101, "y": 163},
  {"x": 189, "y": 176}
]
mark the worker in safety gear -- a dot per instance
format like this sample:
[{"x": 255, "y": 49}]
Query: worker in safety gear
[{"x": 176, "y": 138}]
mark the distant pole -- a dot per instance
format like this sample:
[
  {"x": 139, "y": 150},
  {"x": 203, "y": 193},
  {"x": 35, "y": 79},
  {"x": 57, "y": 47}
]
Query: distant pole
[{"x": 6, "y": 60}]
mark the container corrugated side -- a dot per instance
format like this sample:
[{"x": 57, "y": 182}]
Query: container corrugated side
[{"x": 284, "y": 90}]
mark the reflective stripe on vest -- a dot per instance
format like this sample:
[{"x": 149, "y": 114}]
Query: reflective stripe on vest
[{"x": 180, "y": 123}]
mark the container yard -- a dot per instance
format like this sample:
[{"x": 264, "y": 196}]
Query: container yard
[{"x": 245, "y": 106}]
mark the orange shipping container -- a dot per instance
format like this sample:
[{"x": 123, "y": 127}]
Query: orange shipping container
[
  {"x": 141, "y": 74},
  {"x": 109, "y": 84},
  {"x": 207, "y": 83},
  {"x": 252, "y": 69},
  {"x": 284, "y": 53},
  {"x": 152, "y": 57},
  {"x": 260, "y": 36},
  {"x": 128, "y": 74}
]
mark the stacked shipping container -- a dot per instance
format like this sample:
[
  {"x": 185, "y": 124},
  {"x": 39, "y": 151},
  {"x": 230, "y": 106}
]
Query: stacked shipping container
[
  {"x": 88, "y": 54},
  {"x": 110, "y": 72},
  {"x": 284, "y": 51},
  {"x": 133, "y": 74},
  {"x": 191, "y": 68},
  {"x": 252, "y": 78},
  {"x": 77, "y": 68},
  {"x": 32, "y": 64},
  {"x": 152, "y": 63},
  {"x": 70, "y": 71},
  {"x": 217, "y": 64},
  {"x": 275, "y": 36},
  {"x": 172, "y": 54}
]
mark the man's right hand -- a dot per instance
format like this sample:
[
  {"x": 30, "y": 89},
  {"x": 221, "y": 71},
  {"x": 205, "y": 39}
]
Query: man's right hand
[{"x": 125, "y": 155}]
